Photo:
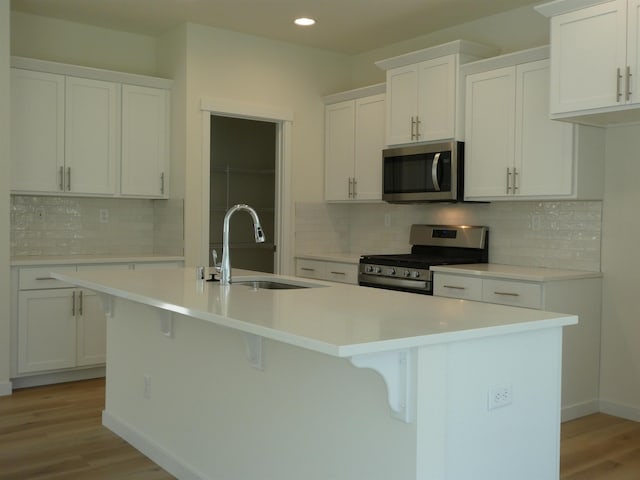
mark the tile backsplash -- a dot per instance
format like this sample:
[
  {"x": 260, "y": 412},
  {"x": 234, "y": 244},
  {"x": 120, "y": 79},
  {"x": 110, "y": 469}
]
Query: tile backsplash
[
  {"x": 539, "y": 234},
  {"x": 49, "y": 225}
]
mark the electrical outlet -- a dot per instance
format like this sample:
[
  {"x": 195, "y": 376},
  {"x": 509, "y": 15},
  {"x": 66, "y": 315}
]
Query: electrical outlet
[
  {"x": 147, "y": 387},
  {"x": 40, "y": 214},
  {"x": 500, "y": 396},
  {"x": 104, "y": 215}
]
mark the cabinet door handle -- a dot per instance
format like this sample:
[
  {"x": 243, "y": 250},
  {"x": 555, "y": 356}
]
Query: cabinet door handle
[
  {"x": 307, "y": 269},
  {"x": 61, "y": 178},
  {"x": 350, "y": 187},
  {"x": 355, "y": 184},
  {"x": 515, "y": 180},
  {"x": 418, "y": 122},
  {"x": 45, "y": 278},
  {"x": 508, "y": 180},
  {"x": 413, "y": 128},
  {"x": 162, "y": 183},
  {"x": 508, "y": 294},
  {"x": 627, "y": 94},
  {"x": 81, "y": 303},
  {"x": 338, "y": 273},
  {"x": 454, "y": 287},
  {"x": 68, "y": 179},
  {"x": 73, "y": 304}
]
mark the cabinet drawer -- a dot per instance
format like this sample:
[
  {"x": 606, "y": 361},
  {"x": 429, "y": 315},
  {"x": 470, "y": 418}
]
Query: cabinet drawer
[
  {"x": 310, "y": 269},
  {"x": 456, "y": 286},
  {"x": 341, "y": 272},
  {"x": 519, "y": 294},
  {"x": 37, "y": 278}
]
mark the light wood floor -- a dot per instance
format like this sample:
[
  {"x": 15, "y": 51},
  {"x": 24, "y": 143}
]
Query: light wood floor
[{"x": 55, "y": 433}]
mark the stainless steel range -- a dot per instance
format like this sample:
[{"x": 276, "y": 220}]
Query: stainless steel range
[{"x": 431, "y": 245}]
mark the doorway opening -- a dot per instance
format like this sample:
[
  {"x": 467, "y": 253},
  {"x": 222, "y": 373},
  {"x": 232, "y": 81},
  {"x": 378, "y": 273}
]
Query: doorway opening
[{"x": 242, "y": 169}]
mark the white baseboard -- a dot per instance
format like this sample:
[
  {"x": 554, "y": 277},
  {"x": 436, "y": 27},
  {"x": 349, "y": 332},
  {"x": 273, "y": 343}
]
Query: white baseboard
[
  {"x": 578, "y": 410},
  {"x": 620, "y": 410},
  {"x": 6, "y": 388},
  {"x": 58, "y": 377},
  {"x": 151, "y": 449}
]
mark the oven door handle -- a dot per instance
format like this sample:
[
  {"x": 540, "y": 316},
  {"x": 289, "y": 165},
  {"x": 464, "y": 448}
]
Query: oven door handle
[{"x": 434, "y": 172}]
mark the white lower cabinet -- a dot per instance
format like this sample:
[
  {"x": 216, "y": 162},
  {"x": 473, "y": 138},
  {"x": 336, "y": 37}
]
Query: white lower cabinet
[
  {"x": 581, "y": 343},
  {"x": 58, "y": 326},
  {"x": 327, "y": 270}
]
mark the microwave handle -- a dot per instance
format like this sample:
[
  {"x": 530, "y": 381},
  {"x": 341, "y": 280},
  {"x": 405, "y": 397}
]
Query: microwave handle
[{"x": 434, "y": 172}]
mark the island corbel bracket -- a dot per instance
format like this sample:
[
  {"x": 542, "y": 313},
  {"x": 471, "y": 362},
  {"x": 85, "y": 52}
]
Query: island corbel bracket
[{"x": 396, "y": 368}]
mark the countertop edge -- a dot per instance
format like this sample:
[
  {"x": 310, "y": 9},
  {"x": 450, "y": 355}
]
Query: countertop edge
[
  {"x": 512, "y": 272},
  {"x": 24, "y": 261}
]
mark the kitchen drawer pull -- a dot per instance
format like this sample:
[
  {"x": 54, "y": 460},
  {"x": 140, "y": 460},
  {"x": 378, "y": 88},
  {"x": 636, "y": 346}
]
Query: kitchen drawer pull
[
  {"x": 45, "y": 278},
  {"x": 307, "y": 269},
  {"x": 454, "y": 287},
  {"x": 508, "y": 294},
  {"x": 338, "y": 273}
]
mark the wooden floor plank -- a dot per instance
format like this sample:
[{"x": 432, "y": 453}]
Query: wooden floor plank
[{"x": 55, "y": 433}]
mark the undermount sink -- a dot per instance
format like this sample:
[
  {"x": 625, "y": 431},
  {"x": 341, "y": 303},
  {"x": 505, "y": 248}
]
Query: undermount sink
[{"x": 271, "y": 284}]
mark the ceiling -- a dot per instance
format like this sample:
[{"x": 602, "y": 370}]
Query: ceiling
[{"x": 348, "y": 26}]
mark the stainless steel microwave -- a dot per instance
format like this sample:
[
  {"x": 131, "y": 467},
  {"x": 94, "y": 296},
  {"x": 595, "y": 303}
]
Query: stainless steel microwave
[{"x": 431, "y": 172}]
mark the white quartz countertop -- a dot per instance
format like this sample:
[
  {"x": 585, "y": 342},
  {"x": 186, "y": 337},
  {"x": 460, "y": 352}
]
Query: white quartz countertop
[
  {"x": 30, "y": 260},
  {"x": 513, "y": 272},
  {"x": 336, "y": 319}
]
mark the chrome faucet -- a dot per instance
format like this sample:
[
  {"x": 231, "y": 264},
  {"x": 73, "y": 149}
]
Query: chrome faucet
[{"x": 225, "y": 267}]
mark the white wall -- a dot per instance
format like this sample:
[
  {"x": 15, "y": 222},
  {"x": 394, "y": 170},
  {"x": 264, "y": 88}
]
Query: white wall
[
  {"x": 620, "y": 363},
  {"x": 5, "y": 385},
  {"x": 68, "y": 42},
  {"x": 510, "y": 31},
  {"x": 256, "y": 71}
]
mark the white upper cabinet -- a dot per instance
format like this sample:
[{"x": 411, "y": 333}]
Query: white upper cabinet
[
  {"x": 422, "y": 92},
  {"x": 74, "y": 133},
  {"x": 512, "y": 149},
  {"x": 91, "y": 140},
  {"x": 595, "y": 50},
  {"x": 354, "y": 139},
  {"x": 145, "y": 136},
  {"x": 37, "y": 131}
]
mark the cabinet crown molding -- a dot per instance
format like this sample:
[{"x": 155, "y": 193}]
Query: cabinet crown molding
[
  {"x": 89, "y": 72},
  {"x": 355, "y": 93},
  {"x": 558, "y": 7},
  {"x": 506, "y": 60},
  {"x": 457, "y": 46}
]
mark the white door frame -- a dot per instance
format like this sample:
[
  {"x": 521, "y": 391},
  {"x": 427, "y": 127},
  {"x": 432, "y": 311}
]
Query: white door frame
[{"x": 283, "y": 119}]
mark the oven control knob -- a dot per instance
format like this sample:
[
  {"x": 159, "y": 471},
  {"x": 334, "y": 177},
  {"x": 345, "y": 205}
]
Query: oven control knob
[
  {"x": 415, "y": 274},
  {"x": 407, "y": 273},
  {"x": 368, "y": 269},
  {"x": 377, "y": 270},
  {"x": 392, "y": 271}
]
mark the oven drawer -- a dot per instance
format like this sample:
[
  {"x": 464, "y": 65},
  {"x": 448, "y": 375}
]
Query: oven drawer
[
  {"x": 456, "y": 286},
  {"x": 518, "y": 294}
]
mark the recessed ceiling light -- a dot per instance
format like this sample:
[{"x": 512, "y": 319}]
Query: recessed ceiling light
[{"x": 304, "y": 22}]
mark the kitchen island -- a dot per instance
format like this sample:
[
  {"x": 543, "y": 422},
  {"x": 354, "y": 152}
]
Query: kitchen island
[{"x": 328, "y": 382}]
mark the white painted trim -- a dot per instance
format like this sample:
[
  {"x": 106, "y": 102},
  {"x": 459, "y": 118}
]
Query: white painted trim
[
  {"x": 151, "y": 449},
  {"x": 5, "y": 388},
  {"x": 283, "y": 217},
  {"x": 87, "y": 72},
  {"x": 508, "y": 60},
  {"x": 559, "y": 7},
  {"x": 58, "y": 377},
  {"x": 571, "y": 412},
  {"x": 232, "y": 108},
  {"x": 354, "y": 94},
  {"x": 629, "y": 412}
]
